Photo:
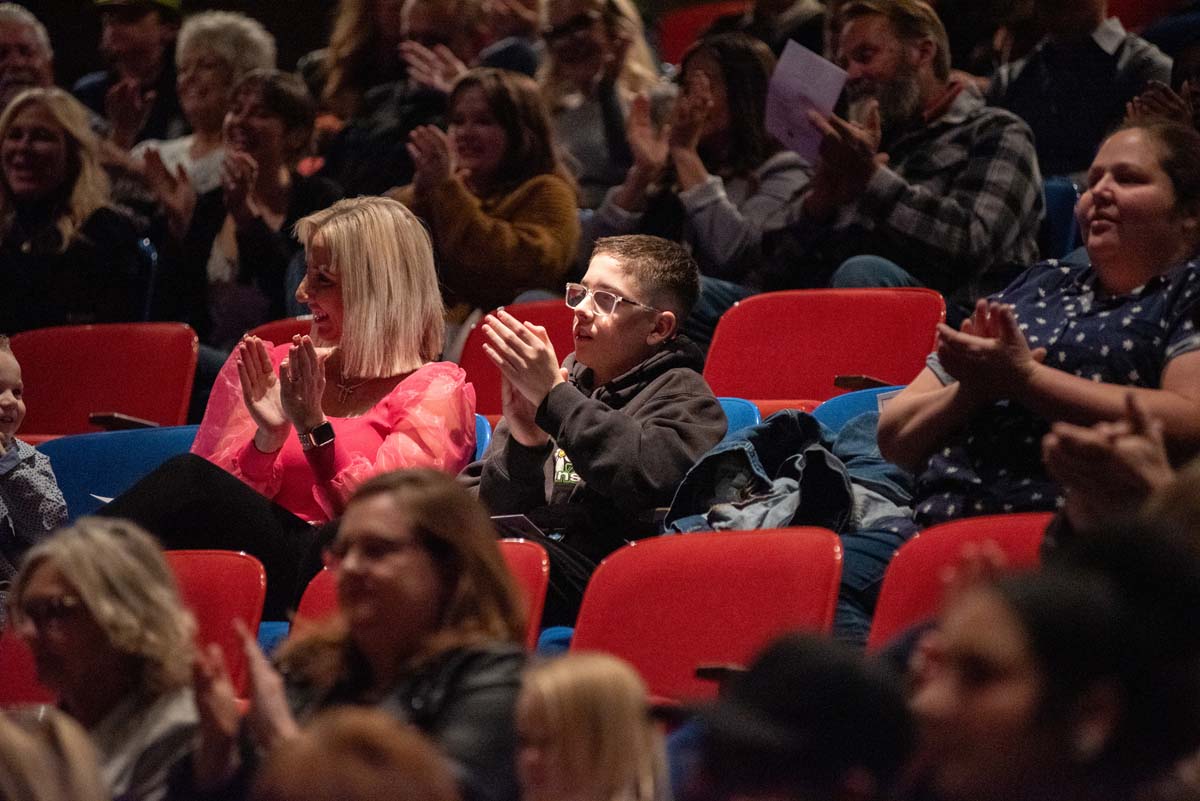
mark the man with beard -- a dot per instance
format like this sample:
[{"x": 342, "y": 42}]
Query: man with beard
[
  {"x": 924, "y": 185},
  {"x": 26, "y": 59}
]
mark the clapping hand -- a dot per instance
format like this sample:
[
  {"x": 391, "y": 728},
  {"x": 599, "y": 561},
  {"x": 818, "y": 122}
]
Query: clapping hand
[
  {"x": 1158, "y": 101},
  {"x": 269, "y": 717},
  {"x": 691, "y": 112},
  {"x": 174, "y": 191},
  {"x": 436, "y": 68},
  {"x": 989, "y": 356},
  {"x": 524, "y": 354},
  {"x": 127, "y": 109},
  {"x": 239, "y": 174},
  {"x": 521, "y": 414},
  {"x": 260, "y": 393},
  {"x": 302, "y": 384},
  {"x": 216, "y": 757},
  {"x": 849, "y": 157},
  {"x": 433, "y": 157}
]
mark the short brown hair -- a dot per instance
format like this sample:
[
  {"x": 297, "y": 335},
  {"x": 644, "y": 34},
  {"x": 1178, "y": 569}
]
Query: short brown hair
[
  {"x": 912, "y": 20},
  {"x": 663, "y": 269}
]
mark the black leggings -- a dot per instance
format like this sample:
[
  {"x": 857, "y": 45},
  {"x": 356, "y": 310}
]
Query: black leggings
[{"x": 188, "y": 502}]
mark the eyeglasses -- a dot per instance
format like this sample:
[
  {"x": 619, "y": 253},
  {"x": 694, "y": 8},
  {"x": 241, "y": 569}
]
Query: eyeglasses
[
  {"x": 604, "y": 302},
  {"x": 371, "y": 549},
  {"x": 576, "y": 24},
  {"x": 43, "y": 611}
]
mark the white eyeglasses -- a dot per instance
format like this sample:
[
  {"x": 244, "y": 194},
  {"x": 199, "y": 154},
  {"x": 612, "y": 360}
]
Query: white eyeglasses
[{"x": 603, "y": 301}]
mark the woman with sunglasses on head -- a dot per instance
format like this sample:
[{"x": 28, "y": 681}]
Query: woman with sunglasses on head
[
  {"x": 597, "y": 61},
  {"x": 428, "y": 631},
  {"x": 99, "y": 607}
]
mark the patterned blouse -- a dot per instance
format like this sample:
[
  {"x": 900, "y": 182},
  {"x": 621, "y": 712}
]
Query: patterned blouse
[{"x": 995, "y": 464}]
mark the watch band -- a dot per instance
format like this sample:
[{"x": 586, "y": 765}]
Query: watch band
[{"x": 318, "y": 437}]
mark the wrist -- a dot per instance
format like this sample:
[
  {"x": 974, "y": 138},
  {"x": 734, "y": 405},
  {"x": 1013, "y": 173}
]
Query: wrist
[{"x": 268, "y": 440}]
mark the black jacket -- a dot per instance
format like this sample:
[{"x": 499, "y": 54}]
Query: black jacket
[{"x": 629, "y": 442}]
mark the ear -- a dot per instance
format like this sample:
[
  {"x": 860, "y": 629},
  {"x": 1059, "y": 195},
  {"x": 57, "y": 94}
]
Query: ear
[
  {"x": 665, "y": 326},
  {"x": 924, "y": 51},
  {"x": 1097, "y": 714}
]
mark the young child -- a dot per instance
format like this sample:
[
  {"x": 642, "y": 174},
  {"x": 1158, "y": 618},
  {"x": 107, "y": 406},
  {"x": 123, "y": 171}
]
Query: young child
[
  {"x": 585, "y": 733},
  {"x": 31, "y": 504},
  {"x": 588, "y": 451}
]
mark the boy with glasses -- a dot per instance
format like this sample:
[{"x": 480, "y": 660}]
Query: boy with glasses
[{"x": 588, "y": 451}]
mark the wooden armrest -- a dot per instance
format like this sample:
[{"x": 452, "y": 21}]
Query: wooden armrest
[
  {"x": 115, "y": 421},
  {"x": 853, "y": 382}
]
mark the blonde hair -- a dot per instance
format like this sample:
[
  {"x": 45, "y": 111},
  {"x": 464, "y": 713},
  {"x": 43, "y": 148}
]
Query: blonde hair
[
  {"x": 482, "y": 602},
  {"x": 383, "y": 258},
  {"x": 356, "y": 754},
  {"x": 48, "y": 758},
  {"x": 239, "y": 41},
  {"x": 592, "y": 708},
  {"x": 639, "y": 71},
  {"x": 89, "y": 183},
  {"x": 125, "y": 584}
]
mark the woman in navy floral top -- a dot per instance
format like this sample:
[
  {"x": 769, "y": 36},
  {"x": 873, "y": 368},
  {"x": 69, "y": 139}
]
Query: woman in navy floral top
[{"x": 1062, "y": 342}]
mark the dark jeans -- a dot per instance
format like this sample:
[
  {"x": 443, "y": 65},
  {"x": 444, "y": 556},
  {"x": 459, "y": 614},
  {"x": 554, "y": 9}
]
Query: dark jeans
[{"x": 189, "y": 502}]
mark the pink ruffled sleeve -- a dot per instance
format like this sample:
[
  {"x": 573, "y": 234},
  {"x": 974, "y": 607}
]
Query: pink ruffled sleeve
[
  {"x": 226, "y": 434},
  {"x": 432, "y": 417}
]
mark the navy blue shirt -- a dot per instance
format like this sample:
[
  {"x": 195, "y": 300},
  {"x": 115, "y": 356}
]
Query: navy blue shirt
[{"x": 994, "y": 465}]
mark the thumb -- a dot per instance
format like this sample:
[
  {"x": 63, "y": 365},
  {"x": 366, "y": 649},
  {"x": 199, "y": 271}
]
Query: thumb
[
  {"x": 565, "y": 375},
  {"x": 1038, "y": 355}
]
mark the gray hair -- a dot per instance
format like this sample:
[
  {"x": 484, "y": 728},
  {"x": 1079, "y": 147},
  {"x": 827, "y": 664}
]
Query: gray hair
[
  {"x": 238, "y": 40},
  {"x": 19, "y": 15}
]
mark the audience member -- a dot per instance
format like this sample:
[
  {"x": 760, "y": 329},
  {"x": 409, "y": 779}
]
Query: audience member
[
  {"x": 428, "y": 633},
  {"x": 99, "y": 607},
  {"x": 1079, "y": 681},
  {"x": 811, "y": 720},
  {"x": 1064, "y": 342},
  {"x": 31, "y": 504},
  {"x": 215, "y": 50},
  {"x": 597, "y": 61},
  {"x": 349, "y": 754},
  {"x": 585, "y": 733},
  {"x": 26, "y": 57},
  {"x": 499, "y": 205},
  {"x": 370, "y": 155},
  {"x": 926, "y": 184},
  {"x": 47, "y": 757},
  {"x": 229, "y": 266},
  {"x": 305, "y": 422},
  {"x": 66, "y": 255},
  {"x": 775, "y": 22},
  {"x": 136, "y": 94},
  {"x": 1073, "y": 87},
  {"x": 712, "y": 175},
  {"x": 588, "y": 451}
]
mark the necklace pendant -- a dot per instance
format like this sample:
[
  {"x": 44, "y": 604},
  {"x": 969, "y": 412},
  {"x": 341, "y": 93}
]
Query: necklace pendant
[{"x": 344, "y": 392}]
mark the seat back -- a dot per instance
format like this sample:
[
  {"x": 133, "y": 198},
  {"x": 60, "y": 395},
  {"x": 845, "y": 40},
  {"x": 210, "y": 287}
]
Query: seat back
[
  {"x": 553, "y": 315},
  {"x": 912, "y": 585},
  {"x": 668, "y": 605},
  {"x": 530, "y": 566},
  {"x": 678, "y": 28},
  {"x": 279, "y": 332},
  {"x": 794, "y": 344},
  {"x": 140, "y": 369},
  {"x": 1059, "y": 234},
  {"x": 836, "y": 412},
  {"x": 739, "y": 413},
  {"x": 18, "y": 673},
  {"x": 319, "y": 601},
  {"x": 483, "y": 435},
  {"x": 220, "y": 587},
  {"x": 107, "y": 463}
]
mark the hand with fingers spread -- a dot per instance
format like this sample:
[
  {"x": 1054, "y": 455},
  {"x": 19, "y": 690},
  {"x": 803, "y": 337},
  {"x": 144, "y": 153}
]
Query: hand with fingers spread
[
  {"x": 270, "y": 718},
  {"x": 1109, "y": 469},
  {"x": 127, "y": 108},
  {"x": 524, "y": 354},
  {"x": 302, "y": 384},
  {"x": 216, "y": 756},
  {"x": 650, "y": 148},
  {"x": 435, "y": 68},
  {"x": 239, "y": 174},
  {"x": 1158, "y": 101},
  {"x": 173, "y": 190},
  {"x": 849, "y": 157},
  {"x": 990, "y": 356},
  {"x": 260, "y": 392},
  {"x": 433, "y": 157},
  {"x": 690, "y": 112},
  {"x": 512, "y": 18}
]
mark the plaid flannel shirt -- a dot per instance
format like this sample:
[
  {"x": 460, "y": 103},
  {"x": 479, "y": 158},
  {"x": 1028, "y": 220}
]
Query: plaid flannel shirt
[{"x": 958, "y": 206}]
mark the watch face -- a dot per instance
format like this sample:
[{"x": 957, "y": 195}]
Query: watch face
[{"x": 322, "y": 434}]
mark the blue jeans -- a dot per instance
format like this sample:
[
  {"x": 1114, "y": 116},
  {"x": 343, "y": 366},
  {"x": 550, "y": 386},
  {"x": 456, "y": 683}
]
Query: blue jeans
[{"x": 868, "y": 271}]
